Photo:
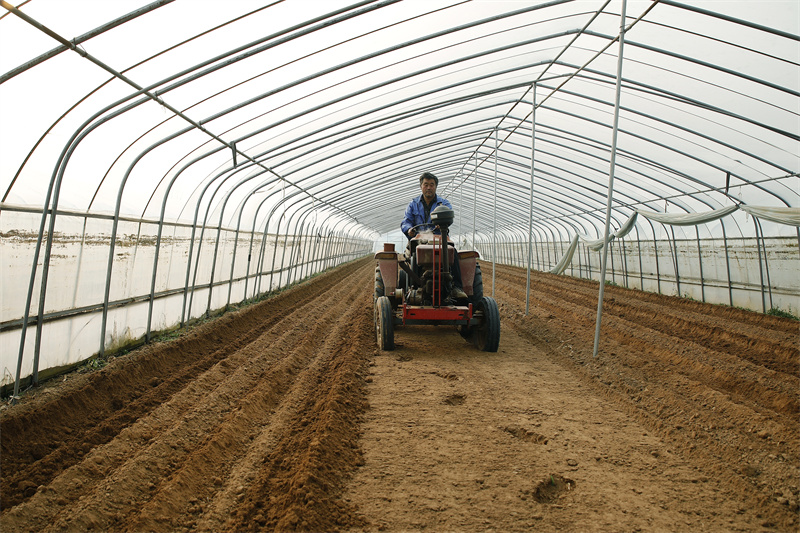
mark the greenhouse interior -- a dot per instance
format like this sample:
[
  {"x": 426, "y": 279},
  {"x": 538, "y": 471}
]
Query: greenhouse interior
[{"x": 169, "y": 162}]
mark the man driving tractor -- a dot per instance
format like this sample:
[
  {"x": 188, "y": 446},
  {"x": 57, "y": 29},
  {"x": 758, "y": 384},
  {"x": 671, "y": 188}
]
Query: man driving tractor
[{"x": 418, "y": 213}]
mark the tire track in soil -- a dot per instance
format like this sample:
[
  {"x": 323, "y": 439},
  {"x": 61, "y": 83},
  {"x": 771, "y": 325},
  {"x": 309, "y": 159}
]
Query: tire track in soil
[
  {"x": 744, "y": 430},
  {"x": 155, "y": 474},
  {"x": 542, "y": 437}
]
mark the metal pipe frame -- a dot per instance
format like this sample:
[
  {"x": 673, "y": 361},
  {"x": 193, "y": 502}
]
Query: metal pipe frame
[{"x": 390, "y": 141}]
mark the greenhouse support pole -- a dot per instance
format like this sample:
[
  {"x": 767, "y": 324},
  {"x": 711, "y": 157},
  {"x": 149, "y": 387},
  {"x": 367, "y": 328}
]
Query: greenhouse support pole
[
  {"x": 262, "y": 257},
  {"x": 727, "y": 262},
  {"x": 191, "y": 288},
  {"x": 530, "y": 204},
  {"x": 588, "y": 262},
  {"x": 301, "y": 248},
  {"x": 298, "y": 249},
  {"x": 639, "y": 249},
  {"x": 624, "y": 260},
  {"x": 655, "y": 256},
  {"x": 475, "y": 203},
  {"x": 700, "y": 261},
  {"x": 26, "y": 315},
  {"x": 240, "y": 209},
  {"x": 291, "y": 250},
  {"x": 614, "y": 133},
  {"x": 246, "y": 268},
  {"x": 760, "y": 265},
  {"x": 275, "y": 253},
  {"x": 611, "y": 253},
  {"x": 284, "y": 265},
  {"x": 284, "y": 200},
  {"x": 218, "y": 241},
  {"x": 256, "y": 274},
  {"x": 326, "y": 247},
  {"x": 461, "y": 206},
  {"x": 262, "y": 254},
  {"x": 319, "y": 247},
  {"x": 674, "y": 248},
  {"x": 307, "y": 249},
  {"x": 305, "y": 244},
  {"x": 156, "y": 255},
  {"x": 494, "y": 210},
  {"x": 549, "y": 261},
  {"x": 115, "y": 229},
  {"x": 766, "y": 265}
]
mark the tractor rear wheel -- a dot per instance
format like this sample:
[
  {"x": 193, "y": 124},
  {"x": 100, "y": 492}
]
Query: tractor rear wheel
[
  {"x": 487, "y": 334},
  {"x": 384, "y": 323},
  {"x": 379, "y": 287}
]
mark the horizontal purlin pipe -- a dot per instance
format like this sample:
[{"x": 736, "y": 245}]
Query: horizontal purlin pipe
[{"x": 83, "y": 38}]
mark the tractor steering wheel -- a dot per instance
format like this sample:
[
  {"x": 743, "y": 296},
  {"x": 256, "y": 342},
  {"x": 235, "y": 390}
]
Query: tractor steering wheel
[{"x": 425, "y": 225}]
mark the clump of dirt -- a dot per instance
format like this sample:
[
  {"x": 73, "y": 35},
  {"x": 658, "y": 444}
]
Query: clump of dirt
[
  {"x": 455, "y": 399},
  {"x": 552, "y": 488},
  {"x": 526, "y": 434}
]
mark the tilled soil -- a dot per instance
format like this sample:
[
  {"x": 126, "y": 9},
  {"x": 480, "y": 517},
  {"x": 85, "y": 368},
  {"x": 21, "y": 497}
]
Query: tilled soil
[{"x": 284, "y": 416}]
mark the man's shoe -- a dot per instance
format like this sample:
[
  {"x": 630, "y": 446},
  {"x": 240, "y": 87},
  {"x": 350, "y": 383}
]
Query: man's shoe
[{"x": 458, "y": 294}]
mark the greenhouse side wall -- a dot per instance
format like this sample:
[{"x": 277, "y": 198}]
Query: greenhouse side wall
[
  {"x": 245, "y": 265},
  {"x": 756, "y": 274}
]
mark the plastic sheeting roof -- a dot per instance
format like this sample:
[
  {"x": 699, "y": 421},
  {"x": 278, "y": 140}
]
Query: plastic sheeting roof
[{"x": 339, "y": 106}]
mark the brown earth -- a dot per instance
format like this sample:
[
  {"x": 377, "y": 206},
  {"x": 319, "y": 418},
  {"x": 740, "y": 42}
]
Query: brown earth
[{"x": 284, "y": 416}]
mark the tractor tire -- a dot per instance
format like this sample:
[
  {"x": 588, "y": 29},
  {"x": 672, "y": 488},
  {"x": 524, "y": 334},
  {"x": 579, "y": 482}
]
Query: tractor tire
[
  {"x": 477, "y": 286},
  {"x": 379, "y": 288},
  {"x": 384, "y": 323},
  {"x": 486, "y": 335}
]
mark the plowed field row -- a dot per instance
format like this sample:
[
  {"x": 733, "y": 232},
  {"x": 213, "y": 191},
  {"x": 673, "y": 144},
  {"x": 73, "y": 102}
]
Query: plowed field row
[
  {"x": 266, "y": 397},
  {"x": 283, "y": 416}
]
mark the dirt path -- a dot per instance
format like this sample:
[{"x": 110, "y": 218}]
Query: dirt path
[{"x": 283, "y": 416}]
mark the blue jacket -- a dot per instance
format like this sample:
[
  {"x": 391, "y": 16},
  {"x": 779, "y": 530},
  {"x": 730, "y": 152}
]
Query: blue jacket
[{"x": 415, "y": 212}]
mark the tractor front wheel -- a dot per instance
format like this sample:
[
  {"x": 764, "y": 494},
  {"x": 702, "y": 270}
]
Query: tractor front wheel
[
  {"x": 384, "y": 323},
  {"x": 487, "y": 334}
]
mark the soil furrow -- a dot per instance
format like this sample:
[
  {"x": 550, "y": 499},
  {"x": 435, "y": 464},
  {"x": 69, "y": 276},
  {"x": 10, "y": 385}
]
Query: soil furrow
[
  {"x": 284, "y": 416},
  {"x": 763, "y": 339},
  {"x": 40, "y": 443},
  {"x": 776, "y": 392},
  {"x": 216, "y": 457},
  {"x": 748, "y": 323},
  {"x": 673, "y": 392},
  {"x": 297, "y": 485},
  {"x": 196, "y": 410}
]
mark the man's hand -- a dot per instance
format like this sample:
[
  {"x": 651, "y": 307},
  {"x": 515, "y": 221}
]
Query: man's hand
[{"x": 411, "y": 233}]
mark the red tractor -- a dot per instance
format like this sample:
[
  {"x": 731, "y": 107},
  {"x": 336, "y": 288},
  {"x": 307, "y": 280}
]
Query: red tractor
[{"x": 413, "y": 288}]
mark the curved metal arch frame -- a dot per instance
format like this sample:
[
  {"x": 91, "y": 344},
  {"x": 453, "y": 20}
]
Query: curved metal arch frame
[{"x": 508, "y": 165}]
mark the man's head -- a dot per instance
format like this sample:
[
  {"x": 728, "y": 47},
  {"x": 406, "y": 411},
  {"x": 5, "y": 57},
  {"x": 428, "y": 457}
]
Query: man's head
[{"x": 428, "y": 183}]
